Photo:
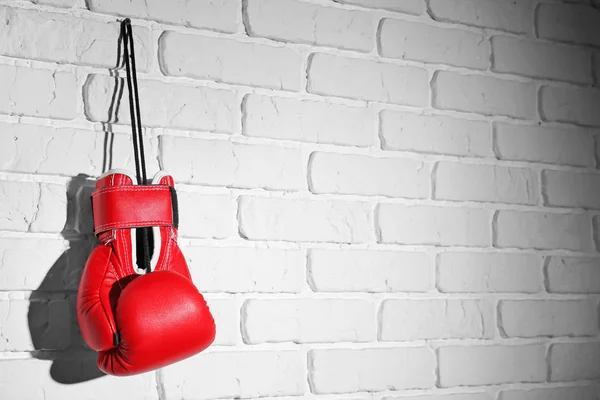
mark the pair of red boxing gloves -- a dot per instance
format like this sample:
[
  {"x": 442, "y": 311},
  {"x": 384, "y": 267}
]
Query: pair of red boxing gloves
[{"x": 139, "y": 322}]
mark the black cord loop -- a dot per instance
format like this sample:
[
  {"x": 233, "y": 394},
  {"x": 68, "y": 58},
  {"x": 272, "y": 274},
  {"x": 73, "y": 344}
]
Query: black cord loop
[{"x": 143, "y": 235}]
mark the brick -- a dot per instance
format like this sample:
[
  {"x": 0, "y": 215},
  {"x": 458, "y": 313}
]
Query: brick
[
  {"x": 49, "y": 265},
  {"x": 226, "y": 315},
  {"x": 436, "y": 319},
  {"x": 57, "y": 3},
  {"x": 564, "y": 146},
  {"x": 308, "y": 321},
  {"x": 571, "y": 189},
  {"x": 56, "y": 93},
  {"x": 65, "y": 39},
  {"x": 489, "y": 273},
  {"x": 491, "y": 365},
  {"x": 533, "y": 318},
  {"x": 244, "y": 374},
  {"x": 217, "y": 269},
  {"x": 483, "y": 95},
  {"x": 206, "y": 215},
  {"x": 449, "y": 396},
  {"x": 304, "y": 220},
  {"x": 510, "y": 16},
  {"x": 435, "y": 134},
  {"x": 50, "y": 381},
  {"x": 297, "y": 22},
  {"x": 369, "y": 271},
  {"x": 433, "y": 225},
  {"x": 50, "y": 330},
  {"x": 29, "y": 206},
  {"x": 224, "y": 16},
  {"x": 414, "y": 7},
  {"x": 538, "y": 230},
  {"x": 596, "y": 68},
  {"x": 569, "y": 23},
  {"x": 574, "y": 361},
  {"x": 164, "y": 105},
  {"x": 43, "y": 150},
  {"x": 371, "y": 81},
  {"x": 225, "y": 60},
  {"x": 570, "y": 104},
  {"x": 540, "y": 60},
  {"x": 308, "y": 121},
  {"x": 430, "y": 44},
  {"x": 223, "y": 163},
  {"x": 368, "y": 176},
  {"x": 573, "y": 275},
  {"x": 488, "y": 183},
  {"x": 348, "y": 371},
  {"x": 554, "y": 393}
]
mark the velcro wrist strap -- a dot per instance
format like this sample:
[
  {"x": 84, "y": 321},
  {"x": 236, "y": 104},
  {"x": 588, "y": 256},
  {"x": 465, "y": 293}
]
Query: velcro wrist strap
[{"x": 137, "y": 206}]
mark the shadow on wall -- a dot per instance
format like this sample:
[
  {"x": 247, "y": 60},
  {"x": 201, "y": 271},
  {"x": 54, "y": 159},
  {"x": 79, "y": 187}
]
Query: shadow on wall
[{"x": 54, "y": 328}]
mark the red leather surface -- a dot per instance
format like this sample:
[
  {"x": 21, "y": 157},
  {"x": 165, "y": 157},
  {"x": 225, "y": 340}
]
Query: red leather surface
[
  {"x": 131, "y": 207},
  {"x": 161, "y": 317}
]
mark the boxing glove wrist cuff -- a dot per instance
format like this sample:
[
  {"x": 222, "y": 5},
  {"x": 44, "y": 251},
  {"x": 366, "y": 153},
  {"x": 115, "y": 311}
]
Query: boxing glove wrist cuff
[{"x": 135, "y": 206}]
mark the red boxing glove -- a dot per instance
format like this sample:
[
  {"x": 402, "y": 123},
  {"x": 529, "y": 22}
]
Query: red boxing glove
[{"x": 138, "y": 323}]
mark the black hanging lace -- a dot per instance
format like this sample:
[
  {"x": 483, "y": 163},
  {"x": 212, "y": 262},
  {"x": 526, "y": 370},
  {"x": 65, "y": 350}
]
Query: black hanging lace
[{"x": 143, "y": 236}]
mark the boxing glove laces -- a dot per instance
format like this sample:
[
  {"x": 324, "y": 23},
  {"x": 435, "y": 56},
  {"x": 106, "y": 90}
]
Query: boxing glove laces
[{"x": 139, "y": 322}]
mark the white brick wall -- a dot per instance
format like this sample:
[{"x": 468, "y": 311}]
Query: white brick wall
[{"x": 380, "y": 199}]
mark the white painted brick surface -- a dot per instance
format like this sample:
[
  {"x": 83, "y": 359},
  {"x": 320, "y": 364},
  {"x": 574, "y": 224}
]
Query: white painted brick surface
[
  {"x": 379, "y": 199},
  {"x": 436, "y": 319},
  {"x": 491, "y": 365},
  {"x": 363, "y": 175},
  {"x": 61, "y": 38},
  {"x": 449, "y": 396},
  {"x": 415, "y": 7},
  {"x": 347, "y": 371},
  {"x": 44, "y": 386},
  {"x": 226, "y": 315},
  {"x": 483, "y": 95},
  {"x": 435, "y": 134},
  {"x": 298, "y": 22},
  {"x": 535, "y": 230},
  {"x": 246, "y": 269},
  {"x": 422, "y": 42},
  {"x": 434, "y": 225},
  {"x": 164, "y": 105},
  {"x": 54, "y": 325},
  {"x": 28, "y": 206},
  {"x": 218, "y": 15},
  {"x": 367, "y": 80},
  {"x": 569, "y": 23},
  {"x": 235, "y": 374},
  {"x": 510, "y": 16},
  {"x": 207, "y": 216},
  {"x": 564, "y": 146},
  {"x": 570, "y": 104},
  {"x": 555, "y": 393},
  {"x": 568, "y": 189},
  {"x": 540, "y": 60},
  {"x": 222, "y": 163},
  {"x": 463, "y": 182},
  {"x": 533, "y": 318},
  {"x": 304, "y": 220},
  {"x": 226, "y": 60},
  {"x": 308, "y": 121},
  {"x": 573, "y": 275},
  {"x": 55, "y": 93},
  {"x": 369, "y": 271},
  {"x": 574, "y": 361},
  {"x": 489, "y": 273},
  {"x": 308, "y": 321}
]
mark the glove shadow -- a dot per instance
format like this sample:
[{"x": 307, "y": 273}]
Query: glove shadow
[{"x": 52, "y": 315}]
